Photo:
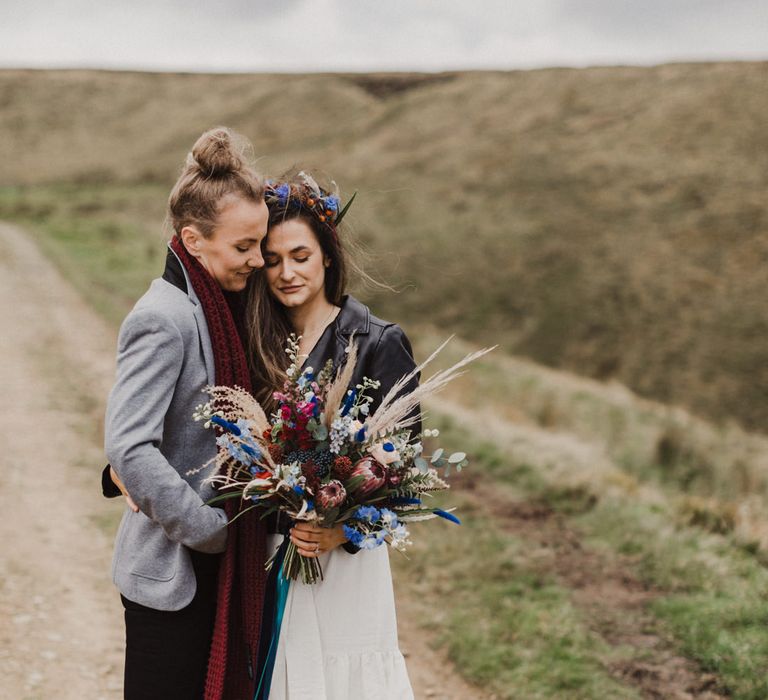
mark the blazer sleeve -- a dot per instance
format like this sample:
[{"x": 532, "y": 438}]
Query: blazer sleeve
[{"x": 149, "y": 361}]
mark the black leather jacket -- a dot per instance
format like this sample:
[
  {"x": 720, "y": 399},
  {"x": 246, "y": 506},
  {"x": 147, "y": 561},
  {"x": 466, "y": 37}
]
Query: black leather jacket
[{"x": 383, "y": 350}]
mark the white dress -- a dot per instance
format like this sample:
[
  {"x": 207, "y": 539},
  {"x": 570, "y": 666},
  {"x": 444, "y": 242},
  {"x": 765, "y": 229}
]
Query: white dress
[{"x": 338, "y": 639}]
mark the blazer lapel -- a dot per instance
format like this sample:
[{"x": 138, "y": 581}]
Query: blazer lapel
[
  {"x": 205, "y": 343},
  {"x": 202, "y": 325}
]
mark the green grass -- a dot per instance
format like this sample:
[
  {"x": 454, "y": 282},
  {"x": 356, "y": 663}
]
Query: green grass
[
  {"x": 712, "y": 592},
  {"x": 506, "y": 626},
  {"x": 726, "y": 636},
  {"x": 715, "y": 595},
  {"x": 106, "y": 240}
]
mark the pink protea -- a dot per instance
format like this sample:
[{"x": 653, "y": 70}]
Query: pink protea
[
  {"x": 374, "y": 474},
  {"x": 331, "y": 495}
]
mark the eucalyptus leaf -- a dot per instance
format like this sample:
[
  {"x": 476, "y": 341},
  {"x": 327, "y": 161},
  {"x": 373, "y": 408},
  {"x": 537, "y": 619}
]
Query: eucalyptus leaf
[
  {"x": 457, "y": 457},
  {"x": 437, "y": 454},
  {"x": 421, "y": 464}
]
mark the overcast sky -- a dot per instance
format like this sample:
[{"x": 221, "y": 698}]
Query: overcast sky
[{"x": 364, "y": 35}]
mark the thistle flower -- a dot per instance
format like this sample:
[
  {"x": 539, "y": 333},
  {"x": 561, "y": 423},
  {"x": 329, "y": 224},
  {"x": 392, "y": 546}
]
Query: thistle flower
[{"x": 342, "y": 467}]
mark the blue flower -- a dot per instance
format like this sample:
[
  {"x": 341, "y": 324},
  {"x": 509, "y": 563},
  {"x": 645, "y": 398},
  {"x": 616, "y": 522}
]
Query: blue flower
[
  {"x": 298, "y": 490},
  {"x": 226, "y": 425},
  {"x": 388, "y": 447},
  {"x": 389, "y": 518},
  {"x": 348, "y": 402},
  {"x": 360, "y": 435},
  {"x": 447, "y": 516},
  {"x": 310, "y": 504},
  {"x": 254, "y": 451},
  {"x": 332, "y": 202},
  {"x": 369, "y": 513},
  {"x": 245, "y": 427},
  {"x": 353, "y": 535},
  {"x": 283, "y": 192},
  {"x": 371, "y": 541},
  {"x": 406, "y": 501}
]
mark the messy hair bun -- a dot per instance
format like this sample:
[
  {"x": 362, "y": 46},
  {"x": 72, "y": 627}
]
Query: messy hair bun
[
  {"x": 217, "y": 154},
  {"x": 216, "y": 167}
]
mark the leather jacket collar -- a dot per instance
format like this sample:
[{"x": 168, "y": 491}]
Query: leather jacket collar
[{"x": 354, "y": 317}]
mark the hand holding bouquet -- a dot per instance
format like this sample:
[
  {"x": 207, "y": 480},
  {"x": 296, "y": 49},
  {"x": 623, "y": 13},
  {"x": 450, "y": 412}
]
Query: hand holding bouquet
[{"x": 324, "y": 457}]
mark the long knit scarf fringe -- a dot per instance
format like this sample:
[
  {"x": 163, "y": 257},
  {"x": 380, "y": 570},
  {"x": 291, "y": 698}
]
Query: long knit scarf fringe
[{"x": 232, "y": 663}]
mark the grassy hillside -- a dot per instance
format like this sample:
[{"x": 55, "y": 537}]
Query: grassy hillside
[{"x": 610, "y": 221}]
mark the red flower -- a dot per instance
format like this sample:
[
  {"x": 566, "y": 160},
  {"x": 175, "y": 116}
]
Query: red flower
[
  {"x": 374, "y": 474},
  {"x": 331, "y": 495},
  {"x": 342, "y": 467}
]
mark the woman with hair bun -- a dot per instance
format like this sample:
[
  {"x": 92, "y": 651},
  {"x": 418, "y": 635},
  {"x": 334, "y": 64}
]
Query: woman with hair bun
[
  {"x": 181, "y": 336},
  {"x": 336, "y": 639}
]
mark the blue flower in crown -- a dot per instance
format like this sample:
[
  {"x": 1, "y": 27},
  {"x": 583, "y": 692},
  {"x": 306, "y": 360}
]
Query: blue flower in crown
[
  {"x": 283, "y": 192},
  {"x": 332, "y": 203}
]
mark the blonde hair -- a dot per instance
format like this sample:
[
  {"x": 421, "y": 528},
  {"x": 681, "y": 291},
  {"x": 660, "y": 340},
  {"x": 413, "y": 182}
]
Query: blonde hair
[{"x": 217, "y": 166}]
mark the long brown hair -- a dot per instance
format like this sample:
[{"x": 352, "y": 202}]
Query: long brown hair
[
  {"x": 216, "y": 167},
  {"x": 267, "y": 323}
]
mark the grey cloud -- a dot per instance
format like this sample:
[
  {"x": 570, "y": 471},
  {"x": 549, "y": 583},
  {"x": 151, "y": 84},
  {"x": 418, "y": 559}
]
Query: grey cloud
[
  {"x": 632, "y": 19},
  {"x": 366, "y": 35}
]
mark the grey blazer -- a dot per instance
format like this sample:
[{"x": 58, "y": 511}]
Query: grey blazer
[{"x": 164, "y": 360}]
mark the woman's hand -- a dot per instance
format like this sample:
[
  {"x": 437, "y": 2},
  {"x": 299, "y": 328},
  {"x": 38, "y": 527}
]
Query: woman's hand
[
  {"x": 312, "y": 540},
  {"x": 116, "y": 479}
]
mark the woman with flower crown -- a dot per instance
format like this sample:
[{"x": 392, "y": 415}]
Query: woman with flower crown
[{"x": 336, "y": 638}]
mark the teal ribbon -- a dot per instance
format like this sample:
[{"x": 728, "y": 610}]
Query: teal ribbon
[{"x": 281, "y": 598}]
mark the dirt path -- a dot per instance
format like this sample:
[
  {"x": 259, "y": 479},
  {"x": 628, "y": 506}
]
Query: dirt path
[
  {"x": 60, "y": 619},
  {"x": 61, "y": 629}
]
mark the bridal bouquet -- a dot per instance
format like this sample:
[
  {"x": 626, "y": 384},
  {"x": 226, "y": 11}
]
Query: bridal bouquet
[{"x": 325, "y": 457}]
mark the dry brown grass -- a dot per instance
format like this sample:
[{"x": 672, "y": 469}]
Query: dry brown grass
[{"x": 610, "y": 221}]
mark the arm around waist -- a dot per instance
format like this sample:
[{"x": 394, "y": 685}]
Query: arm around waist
[{"x": 149, "y": 363}]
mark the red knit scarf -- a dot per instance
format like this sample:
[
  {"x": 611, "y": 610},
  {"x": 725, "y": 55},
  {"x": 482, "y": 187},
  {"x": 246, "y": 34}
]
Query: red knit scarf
[{"x": 232, "y": 672}]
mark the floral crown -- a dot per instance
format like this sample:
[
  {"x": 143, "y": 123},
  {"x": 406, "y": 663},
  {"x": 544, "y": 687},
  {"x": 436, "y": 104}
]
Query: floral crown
[{"x": 308, "y": 196}]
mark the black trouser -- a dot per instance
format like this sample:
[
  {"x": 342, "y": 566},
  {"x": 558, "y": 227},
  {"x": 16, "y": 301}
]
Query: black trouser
[{"x": 166, "y": 652}]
